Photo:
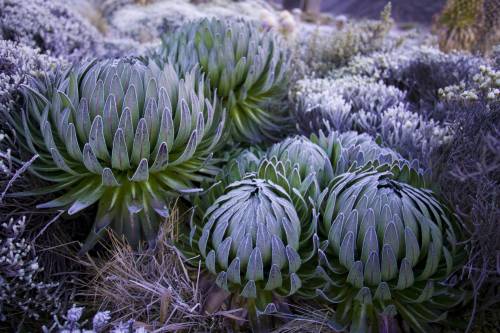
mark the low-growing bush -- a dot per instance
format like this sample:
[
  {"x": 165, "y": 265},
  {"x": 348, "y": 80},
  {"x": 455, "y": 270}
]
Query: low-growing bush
[
  {"x": 17, "y": 62},
  {"x": 332, "y": 48},
  {"x": 22, "y": 292},
  {"x": 49, "y": 26},
  {"x": 361, "y": 104}
]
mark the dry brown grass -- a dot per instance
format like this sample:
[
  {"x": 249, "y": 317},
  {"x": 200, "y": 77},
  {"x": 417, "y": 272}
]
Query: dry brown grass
[
  {"x": 154, "y": 288},
  {"x": 307, "y": 317}
]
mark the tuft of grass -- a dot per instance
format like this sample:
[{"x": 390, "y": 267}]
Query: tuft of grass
[{"x": 152, "y": 286}]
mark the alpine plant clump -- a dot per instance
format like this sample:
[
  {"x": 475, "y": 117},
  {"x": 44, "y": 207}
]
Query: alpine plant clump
[
  {"x": 301, "y": 154},
  {"x": 52, "y": 27},
  {"x": 123, "y": 135},
  {"x": 391, "y": 248},
  {"x": 18, "y": 61},
  {"x": 349, "y": 151},
  {"x": 333, "y": 104},
  {"x": 407, "y": 132},
  {"x": 257, "y": 234},
  {"x": 247, "y": 67},
  {"x": 22, "y": 293}
]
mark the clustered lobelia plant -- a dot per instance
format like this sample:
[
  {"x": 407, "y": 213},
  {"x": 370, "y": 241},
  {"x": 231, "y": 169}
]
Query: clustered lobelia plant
[
  {"x": 391, "y": 248},
  {"x": 246, "y": 66},
  {"x": 387, "y": 245},
  {"x": 122, "y": 134}
]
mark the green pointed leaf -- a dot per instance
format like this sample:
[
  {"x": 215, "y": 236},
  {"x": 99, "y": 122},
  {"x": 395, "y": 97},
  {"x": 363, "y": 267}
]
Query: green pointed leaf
[
  {"x": 188, "y": 152},
  {"x": 244, "y": 251},
  {"x": 131, "y": 102},
  {"x": 96, "y": 103},
  {"x": 389, "y": 265},
  {"x": 223, "y": 253},
  {"x": 355, "y": 276},
  {"x": 116, "y": 90},
  {"x": 141, "y": 174},
  {"x": 110, "y": 119},
  {"x": 370, "y": 244},
  {"x": 83, "y": 121},
  {"x": 72, "y": 145},
  {"x": 373, "y": 275},
  {"x": 140, "y": 148},
  {"x": 263, "y": 242},
  {"x": 108, "y": 178},
  {"x": 161, "y": 160},
  {"x": 346, "y": 255},
  {"x": 127, "y": 127},
  {"x": 335, "y": 234},
  {"x": 274, "y": 280},
  {"x": 255, "y": 267},
  {"x": 412, "y": 251},
  {"x": 221, "y": 280},
  {"x": 406, "y": 278},
  {"x": 119, "y": 155},
  {"x": 383, "y": 292},
  {"x": 233, "y": 271},
  {"x": 391, "y": 237},
  {"x": 295, "y": 284},
  {"x": 250, "y": 290},
  {"x": 294, "y": 261},
  {"x": 85, "y": 200},
  {"x": 90, "y": 160},
  {"x": 153, "y": 120},
  {"x": 279, "y": 258},
  {"x": 97, "y": 141},
  {"x": 210, "y": 262}
]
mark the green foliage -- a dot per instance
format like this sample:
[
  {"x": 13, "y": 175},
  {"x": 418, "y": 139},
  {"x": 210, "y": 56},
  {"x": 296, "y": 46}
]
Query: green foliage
[
  {"x": 123, "y": 135},
  {"x": 246, "y": 66},
  {"x": 391, "y": 247}
]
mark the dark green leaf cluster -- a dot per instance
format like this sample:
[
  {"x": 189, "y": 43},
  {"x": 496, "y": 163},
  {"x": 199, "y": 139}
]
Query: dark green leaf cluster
[{"x": 246, "y": 66}]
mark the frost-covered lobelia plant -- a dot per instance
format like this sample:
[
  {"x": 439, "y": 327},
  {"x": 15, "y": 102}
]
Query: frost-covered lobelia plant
[
  {"x": 391, "y": 248},
  {"x": 122, "y": 134},
  {"x": 258, "y": 235},
  {"x": 349, "y": 150},
  {"x": 247, "y": 66},
  {"x": 303, "y": 155}
]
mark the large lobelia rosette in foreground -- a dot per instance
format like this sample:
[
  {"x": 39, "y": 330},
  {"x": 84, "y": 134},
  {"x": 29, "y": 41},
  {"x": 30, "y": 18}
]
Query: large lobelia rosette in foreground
[
  {"x": 391, "y": 248},
  {"x": 122, "y": 135}
]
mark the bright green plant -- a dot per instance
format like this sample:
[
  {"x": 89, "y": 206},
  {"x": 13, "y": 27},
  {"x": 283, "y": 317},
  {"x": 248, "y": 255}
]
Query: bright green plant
[
  {"x": 247, "y": 66},
  {"x": 123, "y": 135},
  {"x": 391, "y": 248}
]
